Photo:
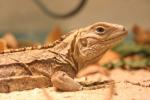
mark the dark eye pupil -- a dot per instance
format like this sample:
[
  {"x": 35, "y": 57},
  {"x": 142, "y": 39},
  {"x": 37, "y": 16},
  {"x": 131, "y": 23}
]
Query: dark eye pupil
[{"x": 99, "y": 29}]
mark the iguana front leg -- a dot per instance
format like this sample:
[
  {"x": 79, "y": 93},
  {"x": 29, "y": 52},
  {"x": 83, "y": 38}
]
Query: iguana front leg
[{"x": 62, "y": 81}]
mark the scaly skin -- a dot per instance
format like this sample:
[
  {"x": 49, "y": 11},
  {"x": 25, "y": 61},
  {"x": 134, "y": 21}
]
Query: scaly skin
[{"x": 57, "y": 65}]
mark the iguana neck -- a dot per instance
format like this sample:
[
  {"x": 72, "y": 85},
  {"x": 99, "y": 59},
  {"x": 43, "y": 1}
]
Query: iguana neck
[
  {"x": 65, "y": 45},
  {"x": 66, "y": 48}
]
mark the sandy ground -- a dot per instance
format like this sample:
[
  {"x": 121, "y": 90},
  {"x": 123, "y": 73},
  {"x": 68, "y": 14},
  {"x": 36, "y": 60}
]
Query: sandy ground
[{"x": 138, "y": 88}]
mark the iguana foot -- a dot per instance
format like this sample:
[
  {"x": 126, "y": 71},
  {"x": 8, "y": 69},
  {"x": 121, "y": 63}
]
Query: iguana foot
[{"x": 62, "y": 81}]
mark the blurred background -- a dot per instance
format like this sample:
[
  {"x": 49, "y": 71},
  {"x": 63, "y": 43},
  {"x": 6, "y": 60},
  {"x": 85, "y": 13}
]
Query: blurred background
[
  {"x": 32, "y": 22},
  {"x": 28, "y": 17}
]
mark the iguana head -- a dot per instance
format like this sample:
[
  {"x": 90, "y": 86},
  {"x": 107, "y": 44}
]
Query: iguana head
[{"x": 93, "y": 41}]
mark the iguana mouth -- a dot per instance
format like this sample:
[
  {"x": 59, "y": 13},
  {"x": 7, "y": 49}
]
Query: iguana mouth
[
  {"x": 121, "y": 34},
  {"x": 115, "y": 39},
  {"x": 110, "y": 40}
]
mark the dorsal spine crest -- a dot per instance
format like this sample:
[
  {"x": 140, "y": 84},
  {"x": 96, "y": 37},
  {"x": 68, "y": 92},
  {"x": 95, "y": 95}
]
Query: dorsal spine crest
[{"x": 38, "y": 47}]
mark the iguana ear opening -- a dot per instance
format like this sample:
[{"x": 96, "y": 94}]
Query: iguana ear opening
[{"x": 84, "y": 42}]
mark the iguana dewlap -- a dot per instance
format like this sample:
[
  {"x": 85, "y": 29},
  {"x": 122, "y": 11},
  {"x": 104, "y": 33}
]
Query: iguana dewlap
[{"x": 57, "y": 64}]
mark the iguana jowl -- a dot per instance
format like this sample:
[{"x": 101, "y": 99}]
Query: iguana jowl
[{"x": 57, "y": 65}]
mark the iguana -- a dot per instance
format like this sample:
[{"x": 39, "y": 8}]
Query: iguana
[{"x": 57, "y": 64}]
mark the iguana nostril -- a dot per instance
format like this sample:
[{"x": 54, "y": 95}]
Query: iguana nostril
[{"x": 124, "y": 29}]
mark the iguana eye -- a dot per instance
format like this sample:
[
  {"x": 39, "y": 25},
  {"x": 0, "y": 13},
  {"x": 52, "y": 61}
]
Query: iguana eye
[{"x": 100, "y": 30}]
